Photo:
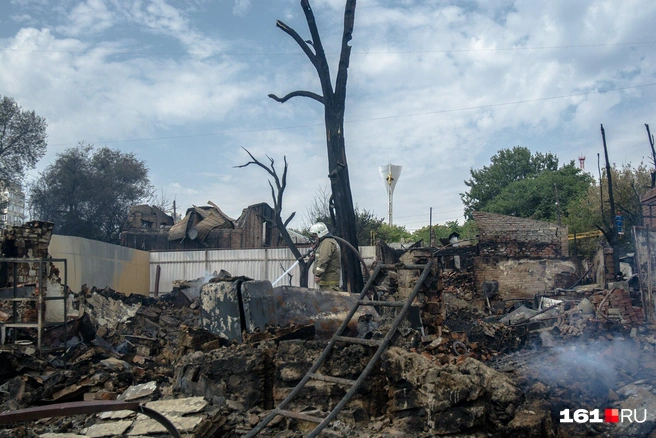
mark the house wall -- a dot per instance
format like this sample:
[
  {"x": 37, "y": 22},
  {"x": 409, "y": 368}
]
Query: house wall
[
  {"x": 130, "y": 271},
  {"x": 511, "y": 236},
  {"x": 525, "y": 256},
  {"x": 253, "y": 227},
  {"x": 101, "y": 264},
  {"x": 524, "y": 278}
]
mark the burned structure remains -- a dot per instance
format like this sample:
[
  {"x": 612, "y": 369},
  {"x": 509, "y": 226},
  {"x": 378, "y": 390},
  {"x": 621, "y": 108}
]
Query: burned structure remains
[
  {"x": 502, "y": 343},
  {"x": 524, "y": 256},
  {"x": 206, "y": 227}
]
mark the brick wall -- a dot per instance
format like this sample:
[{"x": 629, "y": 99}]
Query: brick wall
[
  {"x": 524, "y": 278},
  {"x": 511, "y": 236},
  {"x": 616, "y": 304}
]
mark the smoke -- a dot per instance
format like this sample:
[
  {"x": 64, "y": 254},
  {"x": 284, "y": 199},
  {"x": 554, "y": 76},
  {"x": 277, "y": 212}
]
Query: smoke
[{"x": 592, "y": 367}]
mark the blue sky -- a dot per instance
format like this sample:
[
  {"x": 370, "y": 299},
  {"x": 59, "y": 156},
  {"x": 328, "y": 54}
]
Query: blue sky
[{"x": 437, "y": 87}]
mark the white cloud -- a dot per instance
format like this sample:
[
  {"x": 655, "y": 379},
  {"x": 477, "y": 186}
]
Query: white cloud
[
  {"x": 432, "y": 86},
  {"x": 241, "y": 7},
  {"x": 91, "y": 16},
  {"x": 175, "y": 188}
]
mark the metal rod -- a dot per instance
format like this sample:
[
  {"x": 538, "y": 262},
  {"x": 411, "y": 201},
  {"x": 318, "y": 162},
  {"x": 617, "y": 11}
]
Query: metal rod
[
  {"x": 14, "y": 334},
  {"x": 430, "y": 228},
  {"x": 39, "y": 312},
  {"x": 87, "y": 407},
  {"x": 158, "y": 272},
  {"x": 650, "y": 297},
  {"x": 65, "y": 309}
]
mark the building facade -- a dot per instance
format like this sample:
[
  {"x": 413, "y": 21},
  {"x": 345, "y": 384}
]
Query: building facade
[{"x": 12, "y": 199}]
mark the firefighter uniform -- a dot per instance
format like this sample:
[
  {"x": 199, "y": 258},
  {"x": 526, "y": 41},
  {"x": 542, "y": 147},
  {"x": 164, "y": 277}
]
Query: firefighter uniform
[{"x": 327, "y": 264}]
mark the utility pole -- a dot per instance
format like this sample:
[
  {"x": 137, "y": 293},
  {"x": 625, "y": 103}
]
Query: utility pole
[
  {"x": 430, "y": 229},
  {"x": 557, "y": 204},
  {"x": 612, "y": 236}
]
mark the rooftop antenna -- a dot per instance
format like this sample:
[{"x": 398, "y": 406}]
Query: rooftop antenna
[{"x": 390, "y": 174}]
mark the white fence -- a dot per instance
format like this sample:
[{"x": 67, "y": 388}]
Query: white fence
[{"x": 258, "y": 264}]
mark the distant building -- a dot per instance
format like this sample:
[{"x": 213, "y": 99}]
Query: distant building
[
  {"x": 13, "y": 213},
  {"x": 207, "y": 227}
]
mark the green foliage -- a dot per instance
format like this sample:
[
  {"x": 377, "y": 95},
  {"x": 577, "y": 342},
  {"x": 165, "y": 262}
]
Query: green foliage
[
  {"x": 88, "y": 194},
  {"x": 392, "y": 233},
  {"x": 629, "y": 184},
  {"x": 535, "y": 197},
  {"x": 22, "y": 140},
  {"x": 508, "y": 166},
  {"x": 467, "y": 231}
]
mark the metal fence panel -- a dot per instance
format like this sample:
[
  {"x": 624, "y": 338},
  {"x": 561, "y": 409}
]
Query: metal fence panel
[{"x": 258, "y": 264}]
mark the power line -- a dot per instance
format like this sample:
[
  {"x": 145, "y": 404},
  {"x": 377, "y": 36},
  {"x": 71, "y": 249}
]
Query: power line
[
  {"x": 426, "y": 214},
  {"x": 297, "y": 53},
  {"x": 495, "y": 105},
  {"x": 542, "y": 99}
]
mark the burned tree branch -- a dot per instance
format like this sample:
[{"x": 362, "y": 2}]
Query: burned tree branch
[
  {"x": 289, "y": 219},
  {"x": 299, "y": 93},
  {"x": 271, "y": 171},
  {"x": 320, "y": 64},
  {"x": 277, "y": 193},
  {"x": 345, "y": 54},
  {"x": 300, "y": 41}
]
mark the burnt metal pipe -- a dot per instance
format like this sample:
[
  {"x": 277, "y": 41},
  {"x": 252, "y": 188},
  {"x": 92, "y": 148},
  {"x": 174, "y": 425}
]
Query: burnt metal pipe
[{"x": 83, "y": 408}]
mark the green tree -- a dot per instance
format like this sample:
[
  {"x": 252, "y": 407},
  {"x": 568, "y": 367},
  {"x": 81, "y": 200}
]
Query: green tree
[
  {"x": 629, "y": 184},
  {"x": 392, "y": 233},
  {"x": 508, "y": 166},
  {"x": 543, "y": 196},
  {"x": 88, "y": 193},
  {"x": 467, "y": 231},
  {"x": 22, "y": 140}
]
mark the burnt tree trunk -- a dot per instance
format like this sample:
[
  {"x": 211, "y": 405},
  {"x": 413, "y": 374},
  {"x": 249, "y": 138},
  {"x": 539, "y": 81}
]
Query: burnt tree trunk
[{"x": 334, "y": 101}]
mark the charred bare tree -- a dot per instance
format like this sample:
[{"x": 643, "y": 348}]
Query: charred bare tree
[
  {"x": 277, "y": 193},
  {"x": 333, "y": 101}
]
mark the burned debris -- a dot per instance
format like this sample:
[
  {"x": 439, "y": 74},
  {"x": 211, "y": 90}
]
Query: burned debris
[
  {"x": 149, "y": 229},
  {"x": 507, "y": 344}
]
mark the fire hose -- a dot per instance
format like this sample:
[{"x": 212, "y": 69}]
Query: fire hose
[
  {"x": 351, "y": 247},
  {"x": 310, "y": 251}
]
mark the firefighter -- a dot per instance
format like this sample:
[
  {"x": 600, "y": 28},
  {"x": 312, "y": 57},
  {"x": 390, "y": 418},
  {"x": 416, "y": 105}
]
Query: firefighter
[{"x": 327, "y": 258}]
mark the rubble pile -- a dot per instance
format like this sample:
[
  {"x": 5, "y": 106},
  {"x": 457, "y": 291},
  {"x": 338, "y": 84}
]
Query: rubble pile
[
  {"x": 460, "y": 283},
  {"x": 613, "y": 371},
  {"x": 476, "y": 376},
  {"x": 616, "y": 303}
]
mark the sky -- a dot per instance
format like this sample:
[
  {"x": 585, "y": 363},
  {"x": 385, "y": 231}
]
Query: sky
[{"x": 437, "y": 87}]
